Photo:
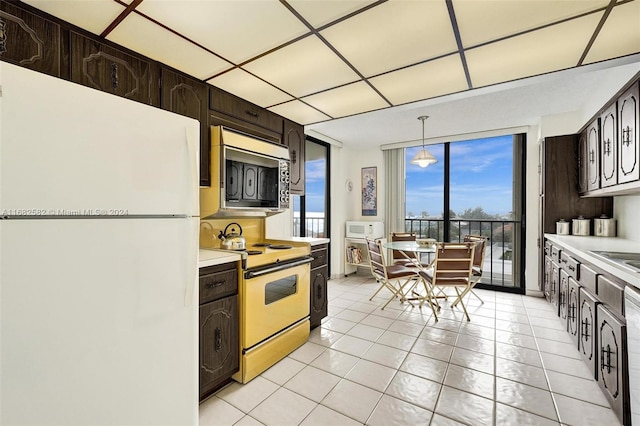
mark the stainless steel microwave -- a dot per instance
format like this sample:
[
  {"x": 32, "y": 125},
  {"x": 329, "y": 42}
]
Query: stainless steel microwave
[{"x": 249, "y": 177}]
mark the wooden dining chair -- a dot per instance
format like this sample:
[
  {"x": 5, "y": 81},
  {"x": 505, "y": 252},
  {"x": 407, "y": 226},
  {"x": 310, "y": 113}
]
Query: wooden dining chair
[
  {"x": 451, "y": 268},
  {"x": 407, "y": 259},
  {"x": 478, "y": 260},
  {"x": 394, "y": 278}
]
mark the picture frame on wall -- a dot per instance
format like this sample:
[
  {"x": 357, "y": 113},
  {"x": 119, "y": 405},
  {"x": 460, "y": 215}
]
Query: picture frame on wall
[{"x": 369, "y": 191}]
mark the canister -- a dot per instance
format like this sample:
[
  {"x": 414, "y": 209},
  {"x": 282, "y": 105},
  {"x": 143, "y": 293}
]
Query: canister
[
  {"x": 581, "y": 226},
  {"x": 604, "y": 226},
  {"x": 562, "y": 227}
]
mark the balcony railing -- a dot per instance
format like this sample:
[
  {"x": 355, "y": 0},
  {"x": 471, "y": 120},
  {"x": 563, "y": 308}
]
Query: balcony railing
[
  {"x": 314, "y": 227},
  {"x": 498, "y": 259}
]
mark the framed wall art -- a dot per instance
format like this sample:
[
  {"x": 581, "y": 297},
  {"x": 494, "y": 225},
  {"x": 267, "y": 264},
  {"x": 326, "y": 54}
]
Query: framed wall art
[{"x": 369, "y": 191}]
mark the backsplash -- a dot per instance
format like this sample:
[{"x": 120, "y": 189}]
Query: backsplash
[{"x": 625, "y": 210}]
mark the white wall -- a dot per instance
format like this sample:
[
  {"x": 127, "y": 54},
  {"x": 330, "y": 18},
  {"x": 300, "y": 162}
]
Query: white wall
[{"x": 625, "y": 211}]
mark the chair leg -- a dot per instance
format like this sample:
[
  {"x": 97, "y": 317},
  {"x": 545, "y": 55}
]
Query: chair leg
[
  {"x": 477, "y": 297},
  {"x": 459, "y": 299},
  {"x": 433, "y": 302}
]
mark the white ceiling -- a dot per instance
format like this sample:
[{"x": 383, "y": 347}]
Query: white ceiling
[{"x": 361, "y": 71}]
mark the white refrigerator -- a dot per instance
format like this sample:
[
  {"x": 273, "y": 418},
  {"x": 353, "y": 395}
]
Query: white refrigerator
[{"x": 98, "y": 257}]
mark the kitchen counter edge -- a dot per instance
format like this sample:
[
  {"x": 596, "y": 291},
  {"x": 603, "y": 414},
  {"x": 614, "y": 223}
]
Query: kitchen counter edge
[
  {"x": 581, "y": 245},
  {"x": 310, "y": 240},
  {"x": 215, "y": 257}
]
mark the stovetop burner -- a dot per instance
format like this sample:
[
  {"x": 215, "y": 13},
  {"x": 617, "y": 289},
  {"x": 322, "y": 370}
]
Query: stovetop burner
[{"x": 280, "y": 246}]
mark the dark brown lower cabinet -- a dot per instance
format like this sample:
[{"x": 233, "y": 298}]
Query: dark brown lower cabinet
[
  {"x": 319, "y": 276},
  {"x": 612, "y": 365},
  {"x": 563, "y": 292},
  {"x": 547, "y": 278},
  {"x": 573, "y": 306},
  {"x": 587, "y": 334},
  {"x": 555, "y": 284},
  {"x": 219, "y": 327}
]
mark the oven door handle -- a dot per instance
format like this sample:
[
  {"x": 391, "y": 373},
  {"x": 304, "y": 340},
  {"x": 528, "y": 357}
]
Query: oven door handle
[{"x": 276, "y": 268}]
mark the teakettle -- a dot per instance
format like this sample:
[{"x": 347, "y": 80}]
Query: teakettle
[{"x": 232, "y": 241}]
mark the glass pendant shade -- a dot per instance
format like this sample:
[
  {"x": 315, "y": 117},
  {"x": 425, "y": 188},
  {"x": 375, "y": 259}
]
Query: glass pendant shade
[{"x": 423, "y": 158}]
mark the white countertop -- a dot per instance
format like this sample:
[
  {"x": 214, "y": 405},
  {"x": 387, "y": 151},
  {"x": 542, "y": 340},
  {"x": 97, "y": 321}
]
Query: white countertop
[
  {"x": 310, "y": 240},
  {"x": 582, "y": 245},
  {"x": 216, "y": 257}
]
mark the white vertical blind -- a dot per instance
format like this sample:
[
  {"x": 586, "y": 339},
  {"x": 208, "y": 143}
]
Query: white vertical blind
[{"x": 394, "y": 208}]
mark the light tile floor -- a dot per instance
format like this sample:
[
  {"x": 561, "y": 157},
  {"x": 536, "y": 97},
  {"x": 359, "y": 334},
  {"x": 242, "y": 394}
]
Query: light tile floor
[{"x": 513, "y": 364}]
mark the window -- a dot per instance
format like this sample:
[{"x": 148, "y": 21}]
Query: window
[
  {"x": 310, "y": 211},
  {"x": 475, "y": 188}
]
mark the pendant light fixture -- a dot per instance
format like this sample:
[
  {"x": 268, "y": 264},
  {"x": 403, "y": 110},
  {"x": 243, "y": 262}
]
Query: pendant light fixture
[{"x": 423, "y": 158}]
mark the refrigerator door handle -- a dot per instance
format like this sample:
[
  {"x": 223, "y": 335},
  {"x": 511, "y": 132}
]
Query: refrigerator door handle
[{"x": 192, "y": 152}]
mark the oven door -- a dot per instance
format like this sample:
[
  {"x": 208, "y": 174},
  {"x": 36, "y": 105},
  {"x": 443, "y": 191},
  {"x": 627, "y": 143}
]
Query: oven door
[{"x": 274, "y": 298}]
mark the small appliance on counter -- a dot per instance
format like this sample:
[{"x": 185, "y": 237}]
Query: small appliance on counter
[
  {"x": 604, "y": 226},
  {"x": 563, "y": 227},
  {"x": 581, "y": 226}
]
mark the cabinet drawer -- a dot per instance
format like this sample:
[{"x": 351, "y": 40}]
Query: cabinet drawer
[
  {"x": 611, "y": 294},
  {"x": 588, "y": 278},
  {"x": 320, "y": 257},
  {"x": 570, "y": 265},
  {"x": 231, "y": 105},
  {"x": 555, "y": 253},
  {"x": 217, "y": 281},
  {"x": 547, "y": 248}
]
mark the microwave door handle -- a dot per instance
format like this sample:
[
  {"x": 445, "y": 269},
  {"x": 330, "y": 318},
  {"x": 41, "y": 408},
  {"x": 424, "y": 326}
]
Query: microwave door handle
[{"x": 276, "y": 268}]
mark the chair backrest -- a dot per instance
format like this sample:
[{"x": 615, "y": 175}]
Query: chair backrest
[
  {"x": 453, "y": 262},
  {"x": 481, "y": 244},
  {"x": 403, "y": 236},
  {"x": 376, "y": 259}
]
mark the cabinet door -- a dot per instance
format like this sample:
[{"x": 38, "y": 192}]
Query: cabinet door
[
  {"x": 29, "y": 40},
  {"x": 593, "y": 155},
  {"x": 233, "y": 180},
  {"x": 629, "y": 154},
  {"x": 573, "y": 307},
  {"x": 555, "y": 283},
  {"x": 318, "y": 303},
  {"x": 612, "y": 368},
  {"x": 189, "y": 97},
  {"x": 110, "y": 70},
  {"x": 294, "y": 139},
  {"x": 219, "y": 343},
  {"x": 587, "y": 334},
  {"x": 249, "y": 182},
  {"x": 583, "y": 163},
  {"x": 563, "y": 292},
  {"x": 609, "y": 147},
  {"x": 547, "y": 278}
]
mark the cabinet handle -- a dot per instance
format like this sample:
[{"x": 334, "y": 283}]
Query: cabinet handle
[
  {"x": 114, "y": 76},
  {"x": 604, "y": 364},
  {"x": 251, "y": 113},
  {"x": 584, "y": 333},
  {"x": 3, "y": 36},
  {"x": 571, "y": 268},
  {"x": 218, "y": 340},
  {"x": 293, "y": 157},
  {"x": 214, "y": 285},
  {"x": 571, "y": 312},
  {"x": 626, "y": 136},
  {"x": 607, "y": 149},
  {"x": 319, "y": 292}
]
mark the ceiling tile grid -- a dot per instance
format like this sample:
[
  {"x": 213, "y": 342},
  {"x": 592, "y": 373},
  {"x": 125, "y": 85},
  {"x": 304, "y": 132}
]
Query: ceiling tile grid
[{"x": 318, "y": 60}]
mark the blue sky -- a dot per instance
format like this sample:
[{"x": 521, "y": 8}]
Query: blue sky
[{"x": 481, "y": 175}]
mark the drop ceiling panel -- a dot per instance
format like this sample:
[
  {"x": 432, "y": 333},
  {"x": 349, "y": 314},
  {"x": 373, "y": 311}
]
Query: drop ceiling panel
[
  {"x": 480, "y": 21},
  {"x": 393, "y": 35},
  {"x": 423, "y": 81},
  {"x": 319, "y": 13},
  {"x": 347, "y": 100},
  {"x": 299, "y": 112},
  {"x": 94, "y": 16},
  {"x": 243, "y": 84},
  {"x": 620, "y": 34},
  {"x": 550, "y": 49},
  {"x": 143, "y": 36},
  {"x": 302, "y": 68},
  {"x": 236, "y": 30}
]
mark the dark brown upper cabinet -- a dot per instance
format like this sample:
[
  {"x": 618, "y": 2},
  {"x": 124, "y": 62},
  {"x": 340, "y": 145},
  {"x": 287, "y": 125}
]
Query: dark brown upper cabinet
[
  {"x": 294, "y": 138},
  {"x": 100, "y": 66},
  {"x": 29, "y": 40},
  {"x": 628, "y": 117},
  {"x": 232, "y": 111},
  {"x": 593, "y": 155},
  {"x": 609, "y": 147},
  {"x": 189, "y": 97}
]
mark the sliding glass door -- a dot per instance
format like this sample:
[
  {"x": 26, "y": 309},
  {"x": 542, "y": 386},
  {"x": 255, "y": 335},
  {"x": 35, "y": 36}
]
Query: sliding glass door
[{"x": 311, "y": 211}]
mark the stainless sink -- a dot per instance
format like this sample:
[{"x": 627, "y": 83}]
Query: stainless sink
[{"x": 630, "y": 261}]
